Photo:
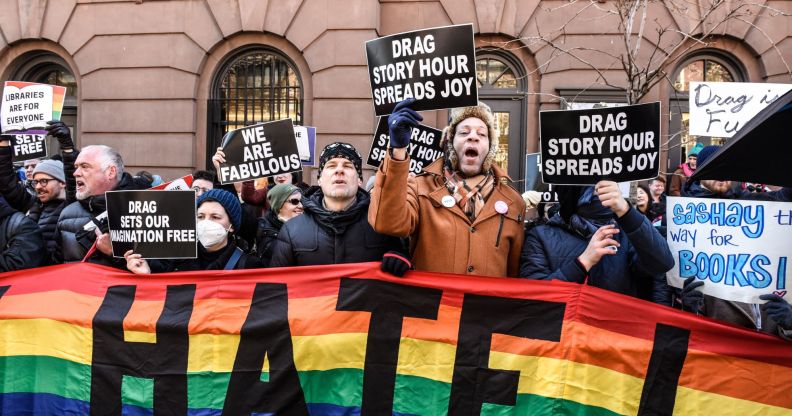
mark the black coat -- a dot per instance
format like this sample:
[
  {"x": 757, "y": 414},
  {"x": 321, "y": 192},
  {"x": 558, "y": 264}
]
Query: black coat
[
  {"x": 45, "y": 215},
  {"x": 269, "y": 227},
  {"x": 319, "y": 236},
  {"x": 207, "y": 261},
  {"x": 74, "y": 241},
  {"x": 20, "y": 240}
]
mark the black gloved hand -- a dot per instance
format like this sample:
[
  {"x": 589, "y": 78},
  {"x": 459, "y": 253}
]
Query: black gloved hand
[
  {"x": 778, "y": 310},
  {"x": 692, "y": 299},
  {"x": 60, "y": 131},
  {"x": 395, "y": 263},
  {"x": 401, "y": 122}
]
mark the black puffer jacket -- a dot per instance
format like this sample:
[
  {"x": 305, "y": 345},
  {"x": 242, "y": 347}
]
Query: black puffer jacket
[
  {"x": 45, "y": 215},
  {"x": 207, "y": 261},
  {"x": 320, "y": 236},
  {"x": 269, "y": 227},
  {"x": 21, "y": 244},
  {"x": 73, "y": 241}
]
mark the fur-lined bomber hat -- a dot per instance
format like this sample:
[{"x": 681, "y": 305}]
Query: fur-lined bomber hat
[{"x": 481, "y": 112}]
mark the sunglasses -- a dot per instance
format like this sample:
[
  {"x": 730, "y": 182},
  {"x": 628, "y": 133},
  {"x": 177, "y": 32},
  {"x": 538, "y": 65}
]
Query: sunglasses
[
  {"x": 294, "y": 201},
  {"x": 332, "y": 146},
  {"x": 43, "y": 182}
]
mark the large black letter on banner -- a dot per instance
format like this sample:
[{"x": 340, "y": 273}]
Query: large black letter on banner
[
  {"x": 165, "y": 361},
  {"x": 388, "y": 303},
  {"x": 665, "y": 366},
  {"x": 3, "y": 289},
  {"x": 474, "y": 383},
  {"x": 266, "y": 333}
]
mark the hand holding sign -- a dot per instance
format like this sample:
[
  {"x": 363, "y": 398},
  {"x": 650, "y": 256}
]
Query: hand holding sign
[
  {"x": 601, "y": 244},
  {"x": 611, "y": 197},
  {"x": 60, "y": 131},
  {"x": 692, "y": 299},
  {"x": 218, "y": 158},
  {"x": 778, "y": 309},
  {"x": 401, "y": 123},
  {"x": 136, "y": 263}
]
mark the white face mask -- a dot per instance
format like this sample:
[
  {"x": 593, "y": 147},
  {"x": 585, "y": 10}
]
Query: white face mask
[{"x": 210, "y": 233}]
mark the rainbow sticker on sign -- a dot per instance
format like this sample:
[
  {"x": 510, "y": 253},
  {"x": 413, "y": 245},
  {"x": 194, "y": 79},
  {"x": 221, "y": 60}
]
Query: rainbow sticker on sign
[{"x": 349, "y": 339}]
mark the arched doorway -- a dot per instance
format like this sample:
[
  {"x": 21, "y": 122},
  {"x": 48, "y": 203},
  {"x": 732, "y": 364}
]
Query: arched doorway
[{"x": 502, "y": 86}]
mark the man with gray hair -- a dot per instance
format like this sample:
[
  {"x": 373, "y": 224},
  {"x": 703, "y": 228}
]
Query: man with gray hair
[{"x": 96, "y": 170}]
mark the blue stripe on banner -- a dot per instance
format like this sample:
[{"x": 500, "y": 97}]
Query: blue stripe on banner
[
  {"x": 40, "y": 404},
  {"x": 49, "y": 404}
]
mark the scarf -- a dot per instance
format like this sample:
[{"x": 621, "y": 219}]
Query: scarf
[
  {"x": 471, "y": 199},
  {"x": 687, "y": 170}
]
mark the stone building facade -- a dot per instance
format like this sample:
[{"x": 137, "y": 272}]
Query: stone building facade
[{"x": 162, "y": 80}]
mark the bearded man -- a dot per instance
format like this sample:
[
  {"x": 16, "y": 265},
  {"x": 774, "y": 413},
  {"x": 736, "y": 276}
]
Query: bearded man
[{"x": 460, "y": 213}]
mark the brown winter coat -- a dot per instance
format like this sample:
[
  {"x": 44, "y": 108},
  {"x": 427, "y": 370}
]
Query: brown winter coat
[{"x": 443, "y": 239}]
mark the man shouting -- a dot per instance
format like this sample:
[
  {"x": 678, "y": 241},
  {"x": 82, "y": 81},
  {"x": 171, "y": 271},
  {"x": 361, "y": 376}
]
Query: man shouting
[{"x": 461, "y": 214}]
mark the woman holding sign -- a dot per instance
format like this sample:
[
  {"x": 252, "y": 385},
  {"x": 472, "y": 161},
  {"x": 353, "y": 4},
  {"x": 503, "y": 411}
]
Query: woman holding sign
[{"x": 219, "y": 216}]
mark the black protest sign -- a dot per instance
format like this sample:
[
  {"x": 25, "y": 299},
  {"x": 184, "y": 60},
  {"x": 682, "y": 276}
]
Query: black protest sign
[
  {"x": 154, "y": 224},
  {"x": 533, "y": 179},
  {"x": 583, "y": 147},
  {"x": 29, "y": 146},
  {"x": 424, "y": 146},
  {"x": 259, "y": 151},
  {"x": 435, "y": 66}
]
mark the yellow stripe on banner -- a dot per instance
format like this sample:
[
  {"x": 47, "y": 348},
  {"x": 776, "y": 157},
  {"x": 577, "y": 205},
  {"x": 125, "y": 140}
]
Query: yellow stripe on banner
[
  {"x": 46, "y": 337},
  {"x": 586, "y": 384},
  {"x": 319, "y": 352},
  {"x": 140, "y": 336},
  {"x": 427, "y": 359},
  {"x": 691, "y": 402}
]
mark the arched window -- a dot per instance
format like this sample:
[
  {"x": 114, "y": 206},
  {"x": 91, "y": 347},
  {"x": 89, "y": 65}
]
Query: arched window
[
  {"x": 47, "y": 68},
  {"x": 255, "y": 84},
  {"x": 501, "y": 85},
  {"x": 704, "y": 66}
]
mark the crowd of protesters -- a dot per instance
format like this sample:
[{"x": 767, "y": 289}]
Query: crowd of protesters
[{"x": 460, "y": 215}]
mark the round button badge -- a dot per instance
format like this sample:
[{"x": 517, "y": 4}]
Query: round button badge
[
  {"x": 501, "y": 207},
  {"x": 448, "y": 201}
]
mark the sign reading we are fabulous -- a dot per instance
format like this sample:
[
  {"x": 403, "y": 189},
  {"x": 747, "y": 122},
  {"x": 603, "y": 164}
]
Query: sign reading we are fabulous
[
  {"x": 435, "y": 66},
  {"x": 259, "y": 151}
]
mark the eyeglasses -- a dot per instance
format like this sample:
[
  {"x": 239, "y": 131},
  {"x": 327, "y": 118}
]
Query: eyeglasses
[
  {"x": 43, "y": 182},
  {"x": 294, "y": 201},
  {"x": 199, "y": 189}
]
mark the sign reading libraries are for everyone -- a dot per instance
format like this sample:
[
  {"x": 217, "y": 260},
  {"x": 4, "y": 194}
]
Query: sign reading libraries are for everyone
[
  {"x": 424, "y": 147},
  {"x": 435, "y": 66},
  {"x": 28, "y": 105},
  {"x": 583, "y": 147},
  {"x": 154, "y": 224},
  {"x": 740, "y": 249},
  {"x": 259, "y": 151}
]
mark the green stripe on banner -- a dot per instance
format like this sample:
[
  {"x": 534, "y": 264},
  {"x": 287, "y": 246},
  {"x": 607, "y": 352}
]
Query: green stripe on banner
[
  {"x": 137, "y": 391},
  {"x": 43, "y": 374},
  {"x": 340, "y": 387}
]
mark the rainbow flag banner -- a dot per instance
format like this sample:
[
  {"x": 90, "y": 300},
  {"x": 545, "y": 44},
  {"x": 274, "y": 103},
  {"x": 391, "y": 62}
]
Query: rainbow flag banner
[{"x": 350, "y": 340}]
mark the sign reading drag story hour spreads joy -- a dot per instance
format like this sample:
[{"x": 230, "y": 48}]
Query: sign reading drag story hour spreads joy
[
  {"x": 739, "y": 249},
  {"x": 435, "y": 66},
  {"x": 424, "y": 147},
  {"x": 583, "y": 147}
]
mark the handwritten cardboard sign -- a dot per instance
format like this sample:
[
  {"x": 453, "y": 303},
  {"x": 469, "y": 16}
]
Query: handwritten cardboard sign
[
  {"x": 739, "y": 249},
  {"x": 720, "y": 109}
]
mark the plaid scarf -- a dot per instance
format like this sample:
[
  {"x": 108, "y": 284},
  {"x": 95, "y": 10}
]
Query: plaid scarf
[{"x": 470, "y": 199}]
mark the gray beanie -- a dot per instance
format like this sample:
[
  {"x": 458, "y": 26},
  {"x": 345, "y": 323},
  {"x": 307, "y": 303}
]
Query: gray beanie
[
  {"x": 279, "y": 193},
  {"x": 52, "y": 168}
]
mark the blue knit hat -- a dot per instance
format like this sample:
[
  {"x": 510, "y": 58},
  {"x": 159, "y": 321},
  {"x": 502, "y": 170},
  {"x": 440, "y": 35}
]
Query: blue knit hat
[
  {"x": 229, "y": 202},
  {"x": 705, "y": 154}
]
